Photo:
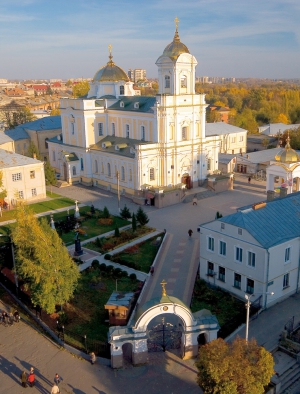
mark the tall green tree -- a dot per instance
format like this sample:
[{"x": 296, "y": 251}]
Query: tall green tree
[
  {"x": 50, "y": 175},
  {"x": 142, "y": 217},
  {"x": 14, "y": 118},
  {"x": 239, "y": 367},
  {"x": 125, "y": 213},
  {"x": 133, "y": 223},
  {"x": 80, "y": 89},
  {"x": 43, "y": 261},
  {"x": 33, "y": 151},
  {"x": 3, "y": 192}
]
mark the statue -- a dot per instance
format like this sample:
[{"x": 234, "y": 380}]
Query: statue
[
  {"x": 76, "y": 214},
  {"x": 78, "y": 248},
  {"x": 52, "y": 224}
]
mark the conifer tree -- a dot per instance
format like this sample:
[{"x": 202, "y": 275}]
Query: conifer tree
[
  {"x": 125, "y": 213},
  {"x": 133, "y": 223},
  {"x": 142, "y": 217},
  {"x": 43, "y": 261}
]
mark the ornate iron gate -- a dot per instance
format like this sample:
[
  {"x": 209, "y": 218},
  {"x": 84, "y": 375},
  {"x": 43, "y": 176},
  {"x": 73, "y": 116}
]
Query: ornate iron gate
[{"x": 164, "y": 336}]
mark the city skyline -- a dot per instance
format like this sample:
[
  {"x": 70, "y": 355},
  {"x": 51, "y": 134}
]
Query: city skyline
[{"x": 70, "y": 39}]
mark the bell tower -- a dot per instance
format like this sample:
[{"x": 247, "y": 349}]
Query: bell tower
[{"x": 176, "y": 68}]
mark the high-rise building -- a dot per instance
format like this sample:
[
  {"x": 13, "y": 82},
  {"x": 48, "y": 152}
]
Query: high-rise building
[{"x": 138, "y": 74}]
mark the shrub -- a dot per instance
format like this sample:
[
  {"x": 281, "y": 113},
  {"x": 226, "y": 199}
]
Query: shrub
[
  {"x": 95, "y": 264},
  {"x": 108, "y": 246},
  {"x": 103, "y": 265},
  {"x": 99, "y": 242},
  {"x": 106, "y": 213},
  {"x": 94, "y": 280},
  {"x": 124, "y": 274},
  {"x": 117, "y": 272},
  {"x": 105, "y": 221},
  {"x": 107, "y": 257},
  {"x": 132, "y": 277},
  {"x": 132, "y": 249},
  {"x": 125, "y": 213},
  {"x": 63, "y": 317},
  {"x": 109, "y": 268},
  {"x": 117, "y": 232}
]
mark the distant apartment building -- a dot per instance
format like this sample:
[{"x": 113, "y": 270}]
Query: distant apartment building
[
  {"x": 206, "y": 79},
  {"x": 138, "y": 74}
]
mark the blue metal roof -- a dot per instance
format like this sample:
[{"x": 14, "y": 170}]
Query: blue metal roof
[
  {"x": 277, "y": 222},
  {"x": 17, "y": 134},
  {"x": 47, "y": 123}
]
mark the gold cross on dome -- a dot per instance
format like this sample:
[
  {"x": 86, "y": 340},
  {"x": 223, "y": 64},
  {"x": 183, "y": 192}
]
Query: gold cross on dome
[
  {"x": 110, "y": 48},
  {"x": 163, "y": 284},
  {"x": 176, "y": 20}
]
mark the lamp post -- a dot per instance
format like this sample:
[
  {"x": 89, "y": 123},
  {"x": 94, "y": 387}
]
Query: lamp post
[
  {"x": 14, "y": 262},
  {"x": 248, "y": 303}
]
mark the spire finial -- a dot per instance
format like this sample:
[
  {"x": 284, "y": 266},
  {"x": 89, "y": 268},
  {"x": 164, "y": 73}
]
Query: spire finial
[
  {"x": 163, "y": 285},
  {"x": 287, "y": 145},
  {"x": 176, "y": 35},
  {"x": 110, "y": 51}
]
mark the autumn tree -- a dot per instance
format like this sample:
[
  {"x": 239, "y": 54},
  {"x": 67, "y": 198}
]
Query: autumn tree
[
  {"x": 239, "y": 367},
  {"x": 14, "y": 118},
  {"x": 50, "y": 175},
  {"x": 3, "y": 192},
  {"x": 43, "y": 261},
  {"x": 80, "y": 89},
  {"x": 55, "y": 112}
]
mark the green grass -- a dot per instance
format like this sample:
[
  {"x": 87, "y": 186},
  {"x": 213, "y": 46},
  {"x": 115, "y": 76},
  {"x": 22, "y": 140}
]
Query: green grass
[
  {"x": 229, "y": 311},
  {"x": 86, "y": 313},
  {"x": 52, "y": 195},
  {"x": 143, "y": 258},
  {"x": 40, "y": 207}
]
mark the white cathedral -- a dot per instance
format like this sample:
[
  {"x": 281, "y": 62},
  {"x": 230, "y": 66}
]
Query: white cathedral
[{"x": 142, "y": 142}]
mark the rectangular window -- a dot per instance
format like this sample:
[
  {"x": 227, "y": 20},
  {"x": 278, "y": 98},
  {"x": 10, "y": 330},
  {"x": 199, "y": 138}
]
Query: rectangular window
[
  {"x": 17, "y": 177},
  {"x": 113, "y": 129},
  {"x": 143, "y": 133},
  {"x": 233, "y": 139},
  {"x": 53, "y": 155},
  {"x": 222, "y": 226},
  {"x": 32, "y": 174},
  {"x": 184, "y": 133},
  {"x": 240, "y": 231},
  {"x": 222, "y": 248},
  {"x": 286, "y": 280},
  {"x": 211, "y": 244},
  {"x": 151, "y": 174},
  {"x": 241, "y": 138},
  {"x": 127, "y": 131},
  {"x": 237, "y": 281},
  {"x": 222, "y": 274},
  {"x": 251, "y": 259},
  {"x": 210, "y": 269},
  {"x": 100, "y": 129},
  {"x": 33, "y": 192},
  {"x": 238, "y": 254},
  {"x": 250, "y": 286},
  {"x": 287, "y": 255},
  {"x": 208, "y": 164},
  {"x": 21, "y": 194}
]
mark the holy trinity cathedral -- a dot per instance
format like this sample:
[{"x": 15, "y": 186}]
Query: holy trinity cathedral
[{"x": 141, "y": 142}]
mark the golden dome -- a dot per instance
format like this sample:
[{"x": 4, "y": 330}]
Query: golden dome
[
  {"x": 176, "y": 47},
  {"x": 287, "y": 155},
  {"x": 110, "y": 72}
]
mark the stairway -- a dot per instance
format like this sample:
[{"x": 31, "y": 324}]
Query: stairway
[
  {"x": 62, "y": 184},
  {"x": 200, "y": 195}
]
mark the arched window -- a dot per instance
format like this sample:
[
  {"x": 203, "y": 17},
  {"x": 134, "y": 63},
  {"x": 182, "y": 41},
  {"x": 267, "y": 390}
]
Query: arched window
[
  {"x": 74, "y": 171},
  {"x": 184, "y": 133},
  {"x": 143, "y": 133},
  {"x": 151, "y": 174},
  {"x": 122, "y": 173},
  {"x": 81, "y": 164},
  {"x": 108, "y": 170},
  {"x": 183, "y": 81},
  {"x": 96, "y": 166},
  {"x": 167, "y": 81},
  {"x": 121, "y": 89}
]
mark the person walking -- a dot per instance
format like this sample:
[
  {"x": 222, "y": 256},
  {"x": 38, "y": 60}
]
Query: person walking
[
  {"x": 190, "y": 232},
  {"x": 249, "y": 180},
  {"x": 93, "y": 358},
  {"x": 55, "y": 389},
  {"x": 152, "y": 270},
  {"x": 57, "y": 379},
  {"x": 195, "y": 200},
  {"x": 31, "y": 378},
  {"x": 23, "y": 378}
]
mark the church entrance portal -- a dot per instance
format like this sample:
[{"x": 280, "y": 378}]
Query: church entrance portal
[{"x": 164, "y": 332}]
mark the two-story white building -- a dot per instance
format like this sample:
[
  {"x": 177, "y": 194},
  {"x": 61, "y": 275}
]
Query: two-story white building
[{"x": 255, "y": 250}]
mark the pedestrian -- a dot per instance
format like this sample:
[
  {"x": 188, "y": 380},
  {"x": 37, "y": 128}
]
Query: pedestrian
[
  {"x": 23, "y": 378},
  {"x": 57, "y": 379},
  {"x": 152, "y": 270},
  {"x": 190, "y": 232},
  {"x": 93, "y": 358},
  {"x": 31, "y": 378},
  {"x": 195, "y": 200},
  {"x": 55, "y": 389},
  {"x": 249, "y": 180}
]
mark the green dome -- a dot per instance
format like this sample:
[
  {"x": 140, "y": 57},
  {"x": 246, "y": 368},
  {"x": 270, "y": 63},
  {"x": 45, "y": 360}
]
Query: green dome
[{"x": 110, "y": 73}]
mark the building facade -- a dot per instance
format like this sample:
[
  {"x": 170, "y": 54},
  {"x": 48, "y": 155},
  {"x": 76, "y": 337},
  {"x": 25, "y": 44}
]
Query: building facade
[{"x": 145, "y": 142}]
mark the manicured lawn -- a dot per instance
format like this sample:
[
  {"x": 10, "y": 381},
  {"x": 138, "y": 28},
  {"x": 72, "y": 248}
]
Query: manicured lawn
[
  {"x": 89, "y": 225},
  {"x": 52, "y": 195},
  {"x": 140, "y": 256},
  {"x": 85, "y": 314},
  {"x": 231, "y": 312},
  {"x": 39, "y": 207},
  {"x": 105, "y": 245}
]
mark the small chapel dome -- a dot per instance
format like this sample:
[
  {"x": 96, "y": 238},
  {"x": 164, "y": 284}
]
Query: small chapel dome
[
  {"x": 176, "y": 47},
  {"x": 110, "y": 73},
  {"x": 287, "y": 154}
]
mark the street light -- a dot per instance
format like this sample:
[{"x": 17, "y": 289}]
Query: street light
[
  {"x": 248, "y": 303},
  {"x": 14, "y": 262}
]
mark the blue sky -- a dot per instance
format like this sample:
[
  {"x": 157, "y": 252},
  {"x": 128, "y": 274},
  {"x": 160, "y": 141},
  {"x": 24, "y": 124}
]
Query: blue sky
[{"x": 70, "y": 38}]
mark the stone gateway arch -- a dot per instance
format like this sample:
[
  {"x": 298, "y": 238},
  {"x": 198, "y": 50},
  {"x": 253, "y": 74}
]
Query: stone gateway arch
[{"x": 186, "y": 326}]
